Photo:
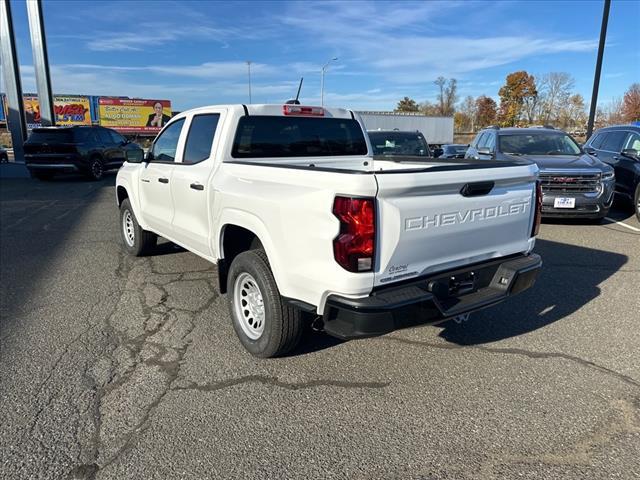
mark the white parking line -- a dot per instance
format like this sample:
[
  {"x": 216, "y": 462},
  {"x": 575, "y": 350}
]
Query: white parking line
[{"x": 623, "y": 224}]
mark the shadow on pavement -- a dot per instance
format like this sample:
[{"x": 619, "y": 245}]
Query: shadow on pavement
[
  {"x": 570, "y": 278},
  {"x": 36, "y": 221}
]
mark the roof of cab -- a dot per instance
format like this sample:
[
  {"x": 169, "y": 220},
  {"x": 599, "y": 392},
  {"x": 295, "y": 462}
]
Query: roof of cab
[{"x": 271, "y": 110}]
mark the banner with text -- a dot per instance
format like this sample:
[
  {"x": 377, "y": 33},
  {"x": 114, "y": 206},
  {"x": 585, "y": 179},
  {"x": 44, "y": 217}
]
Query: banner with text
[
  {"x": 133, "y": 115},
  {"x": 69, "y": 110}
]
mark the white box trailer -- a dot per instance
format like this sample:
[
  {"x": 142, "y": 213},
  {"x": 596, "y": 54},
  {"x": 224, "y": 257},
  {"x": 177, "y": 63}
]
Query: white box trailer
[{"x": 437, "y": 130}]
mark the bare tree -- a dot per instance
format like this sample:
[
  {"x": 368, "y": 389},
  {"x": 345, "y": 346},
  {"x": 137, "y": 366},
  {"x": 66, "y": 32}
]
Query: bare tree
[
  {"x": 554, "y": 89},
  {"x": 450, "y": 97},
  {"x": 440, "y": 82},
  {"x": 469, "y": 110}
]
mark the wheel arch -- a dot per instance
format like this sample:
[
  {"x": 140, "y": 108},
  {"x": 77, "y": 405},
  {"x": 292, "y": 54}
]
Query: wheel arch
[{"x": 237, "y": 235}]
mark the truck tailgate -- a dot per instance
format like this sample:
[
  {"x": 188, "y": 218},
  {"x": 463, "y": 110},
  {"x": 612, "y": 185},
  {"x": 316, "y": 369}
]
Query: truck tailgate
[{"x": 428, "y": 222}]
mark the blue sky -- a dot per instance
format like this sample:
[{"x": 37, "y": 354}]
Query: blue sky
[{"x": 194, "y": 53}]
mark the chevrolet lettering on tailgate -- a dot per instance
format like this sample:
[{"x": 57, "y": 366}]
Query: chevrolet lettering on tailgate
[{"x": 466, "y": 216}]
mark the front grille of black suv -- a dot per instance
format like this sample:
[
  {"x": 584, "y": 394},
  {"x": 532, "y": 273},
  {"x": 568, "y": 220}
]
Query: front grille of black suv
[{"x": 569, "y": 182}]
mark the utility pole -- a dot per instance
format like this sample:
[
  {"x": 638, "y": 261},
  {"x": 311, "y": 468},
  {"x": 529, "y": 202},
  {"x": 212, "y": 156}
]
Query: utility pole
[
  {"x": 11, "y": 72},
  {"x": 249, "y": 71},
  {"x": 324, "y": 69},
  {"x": 596, "y": 78},
  {"x": 41, "y": 62}
]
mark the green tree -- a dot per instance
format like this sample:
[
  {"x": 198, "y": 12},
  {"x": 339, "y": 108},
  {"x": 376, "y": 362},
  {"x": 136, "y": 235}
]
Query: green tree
[
  {"x": 517, "y": 96},
  {"x": 407, "y": 105}
]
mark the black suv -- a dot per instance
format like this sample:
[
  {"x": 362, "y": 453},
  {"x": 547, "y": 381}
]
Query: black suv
[
  {"x": 619, "y": 146},
  {"x": 85, "y": 149},
  {"x": 574, "y": 184}
]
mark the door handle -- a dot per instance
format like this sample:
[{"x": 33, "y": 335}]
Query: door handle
[
  {"x": 197, "y": 186},
  {"x": 145, "y": 180},
  {"x": 163, "y": 180}
]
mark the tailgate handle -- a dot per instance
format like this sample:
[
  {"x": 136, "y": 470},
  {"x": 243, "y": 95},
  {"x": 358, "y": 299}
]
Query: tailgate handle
[{"x": 476, "y": 189}]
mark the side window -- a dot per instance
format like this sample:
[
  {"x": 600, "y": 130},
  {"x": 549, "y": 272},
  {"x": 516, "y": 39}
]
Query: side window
[
  {"x": 478, "y": 140},
  {"x": 633, "y": 141},
  {"x": 596, "y": 141},
  {"x": 491, "y": 142},
  {"x": 484, "y": 140},
  {"x": 200, "y": 138},
  {"x": 104, "y": 137},
  {"x": 165, "y": 147},
  {"x": 614, "y": 141},
  {"x": 116, "y": 137}
]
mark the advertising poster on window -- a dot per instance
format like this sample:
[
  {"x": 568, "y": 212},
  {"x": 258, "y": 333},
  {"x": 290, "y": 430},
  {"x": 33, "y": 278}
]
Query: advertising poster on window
[
  {"x": 133, "y": 115},
  {"x": 69, "y": 110}
]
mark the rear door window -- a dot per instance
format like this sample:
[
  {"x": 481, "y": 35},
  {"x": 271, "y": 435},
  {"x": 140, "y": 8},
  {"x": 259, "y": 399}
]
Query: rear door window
[
  {"x": 104, "y": 137},
  {"x": 271, "y": 136},
  {"x": 633, "y": 141},
  {"x": 200, "y": 138}
]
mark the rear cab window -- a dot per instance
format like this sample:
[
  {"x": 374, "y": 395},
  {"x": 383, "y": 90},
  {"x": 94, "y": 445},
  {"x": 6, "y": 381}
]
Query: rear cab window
[
  {"x": 399, "y": 143},
  {"x": 259, "y": 136}
]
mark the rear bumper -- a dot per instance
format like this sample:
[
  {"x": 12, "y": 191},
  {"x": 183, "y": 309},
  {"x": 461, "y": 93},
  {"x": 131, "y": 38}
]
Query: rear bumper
[{"x": 430, "y": 299}]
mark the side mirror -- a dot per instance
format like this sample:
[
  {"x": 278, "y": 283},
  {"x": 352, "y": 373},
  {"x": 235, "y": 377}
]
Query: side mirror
[
  {"x": 630, "y": 153},
  {"x": 485, "y": 151},
  {"x": 135, "y": 155}
]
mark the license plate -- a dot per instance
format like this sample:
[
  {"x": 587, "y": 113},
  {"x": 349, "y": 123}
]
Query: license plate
[{"x": 564, "y": 202}]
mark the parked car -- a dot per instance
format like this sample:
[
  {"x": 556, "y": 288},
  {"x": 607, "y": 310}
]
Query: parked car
[
  {"x": 299, "y": 216},
  {"x": 4, "y": 155},
  {"x": 397, "y": 142},
  {"x": 619, "y": 146},
  {"x": 574, "y": 184},
  {"x": 453, "y": 150},
  {"x": 90, "y": 150}
]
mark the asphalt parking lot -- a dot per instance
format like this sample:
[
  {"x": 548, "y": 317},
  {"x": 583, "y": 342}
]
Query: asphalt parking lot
[{"x": 113, "y": 367}]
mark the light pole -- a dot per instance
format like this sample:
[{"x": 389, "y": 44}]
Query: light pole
[
  {"x": 324, "y": 68},
  {"x": 249, "y": 71},
  {"x": 596, "y": 78}
]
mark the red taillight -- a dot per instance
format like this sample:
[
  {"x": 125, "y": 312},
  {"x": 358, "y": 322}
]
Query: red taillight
[
  {"x": 300, "y": 110},
  {"x": 354, "y": 247},
  {"x": 538, "y": 213}
]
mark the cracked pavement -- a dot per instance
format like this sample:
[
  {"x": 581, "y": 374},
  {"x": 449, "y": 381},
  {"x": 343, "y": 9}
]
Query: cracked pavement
[{"x": 114, "y": 367}]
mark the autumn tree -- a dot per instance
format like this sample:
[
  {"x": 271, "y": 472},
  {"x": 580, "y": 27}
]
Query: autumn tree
[
  {"x": 631, "y": 103},
  {"x": 517, "y": 97},
  {"x": 486, "y": 111},
  {"x": 465, "y": 118},
  {"x": 407, "y": 105}
]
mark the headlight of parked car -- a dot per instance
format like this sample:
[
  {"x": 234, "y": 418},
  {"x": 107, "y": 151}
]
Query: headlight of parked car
[{"x": 608, "y": 175}]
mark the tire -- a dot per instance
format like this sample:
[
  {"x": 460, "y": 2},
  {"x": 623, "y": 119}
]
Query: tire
[
  {"x": 42, "y": 175},
  {"x": 96, "y": 168},
  {"x": 279, "y": 326},
  {"x": 636, "y": 202},
  {"x": 136, "y": 241}
]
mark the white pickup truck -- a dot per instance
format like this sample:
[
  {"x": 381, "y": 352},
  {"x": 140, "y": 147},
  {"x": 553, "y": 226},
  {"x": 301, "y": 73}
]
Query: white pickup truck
[{"x": 301, "y": 219}]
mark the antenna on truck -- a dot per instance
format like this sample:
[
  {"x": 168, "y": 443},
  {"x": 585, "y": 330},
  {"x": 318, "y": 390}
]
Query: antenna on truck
[{"x": 296, "y": 101}]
